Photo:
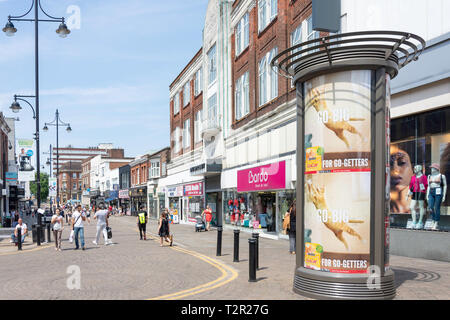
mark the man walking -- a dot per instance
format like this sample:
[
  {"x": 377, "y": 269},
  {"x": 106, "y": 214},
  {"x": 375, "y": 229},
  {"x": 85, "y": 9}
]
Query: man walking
[
  {"x": 102, "y": 222},
  {"x": 77, "y": 223},
  {"x": 142, "y": 222}
]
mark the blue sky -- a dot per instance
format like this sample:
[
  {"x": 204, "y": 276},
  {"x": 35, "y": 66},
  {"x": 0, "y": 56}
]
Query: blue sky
[{"x": 110, "y": 79}]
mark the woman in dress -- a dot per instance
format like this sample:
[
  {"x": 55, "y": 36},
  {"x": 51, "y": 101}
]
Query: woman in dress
[{"x": 163, "y": 230}]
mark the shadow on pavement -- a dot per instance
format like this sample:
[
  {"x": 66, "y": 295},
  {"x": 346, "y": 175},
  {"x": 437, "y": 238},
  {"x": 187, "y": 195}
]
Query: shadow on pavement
[{"x": 405, "y": 274}]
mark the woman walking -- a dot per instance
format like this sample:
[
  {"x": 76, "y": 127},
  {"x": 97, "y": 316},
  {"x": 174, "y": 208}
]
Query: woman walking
[
  {"x": 163, "y": 229},
  {"x": 292, "y": 228},
  {"x": 58, "y": 223}
]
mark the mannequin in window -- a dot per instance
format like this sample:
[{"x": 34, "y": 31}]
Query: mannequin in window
[
  {"x": 417, "y": 189},
  {"x": 436, "y": 191}
]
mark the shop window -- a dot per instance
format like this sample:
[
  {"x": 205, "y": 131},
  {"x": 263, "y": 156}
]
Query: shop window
[
  {"x": 255, "y": 210},
  {"x": 420, "y": 139}
]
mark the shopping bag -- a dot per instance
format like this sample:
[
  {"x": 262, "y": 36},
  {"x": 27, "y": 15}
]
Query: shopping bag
[
  {"x": 71, "y": 236},
  {"x": 108, "y": 230}
]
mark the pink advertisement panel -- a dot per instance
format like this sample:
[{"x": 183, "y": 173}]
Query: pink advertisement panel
[
  {"x": 267, "y": 177},
  {"x": 195, "y": 189}
]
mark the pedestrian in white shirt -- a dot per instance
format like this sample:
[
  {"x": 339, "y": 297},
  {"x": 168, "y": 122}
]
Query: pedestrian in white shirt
[
  {"x": 102, "y": 222},
  {"x": 58, "y": 222},
  {"x": 23, "y": 231},
  {"x": 77, "y": 223}
]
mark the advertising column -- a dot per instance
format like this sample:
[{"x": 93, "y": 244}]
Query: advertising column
[{"x": 338, "y": 172}]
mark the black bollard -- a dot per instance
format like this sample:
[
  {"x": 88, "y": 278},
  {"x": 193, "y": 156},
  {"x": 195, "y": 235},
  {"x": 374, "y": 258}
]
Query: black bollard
[
  {"x": 252, "y": 260},
  {"x": 38, "y": 236},
  {"x": 236, "y": 246},
  {"x": 19, "y": 238},
  {"x": 256, "y": 237},
  {"x": 219, "y": 241},
  {"x": 48, "y": 233}
]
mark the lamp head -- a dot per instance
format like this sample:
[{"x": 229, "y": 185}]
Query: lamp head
[
  {"x": 15, "y": 107},
  {"x": 63, "y": 31},
  {"x": 69, "y": 129},
  {"x": 45, "y": 128},
  {"x": 9, "y": 29}
]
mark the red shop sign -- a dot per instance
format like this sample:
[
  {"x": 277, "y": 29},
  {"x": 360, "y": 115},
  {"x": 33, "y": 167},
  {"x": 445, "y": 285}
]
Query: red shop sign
[
  {"x": 194, "y": 189},
  {"x": 267, "y": 177}
]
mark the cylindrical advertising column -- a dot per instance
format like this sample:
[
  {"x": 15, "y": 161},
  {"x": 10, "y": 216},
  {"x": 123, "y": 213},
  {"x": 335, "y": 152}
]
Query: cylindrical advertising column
[
  {"x": 344, "y": 119},
  {"x": 343, "y": 103}
]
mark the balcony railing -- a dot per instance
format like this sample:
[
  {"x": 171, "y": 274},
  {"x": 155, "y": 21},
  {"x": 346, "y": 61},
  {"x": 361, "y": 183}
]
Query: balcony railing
[{"x": 211, "y": 126}]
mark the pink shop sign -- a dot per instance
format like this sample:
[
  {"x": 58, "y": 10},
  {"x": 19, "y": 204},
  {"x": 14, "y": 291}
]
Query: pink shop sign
[
  {"x": 267, "y": 177},
  {"x": 195, "y": 189}
]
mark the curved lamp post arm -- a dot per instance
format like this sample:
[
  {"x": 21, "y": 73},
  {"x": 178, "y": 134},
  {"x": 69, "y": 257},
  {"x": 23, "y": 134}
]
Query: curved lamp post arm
[{"x": 34, "y": 112}]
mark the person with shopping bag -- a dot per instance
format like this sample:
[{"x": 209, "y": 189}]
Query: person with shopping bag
[{"x": 102, "y": 224}]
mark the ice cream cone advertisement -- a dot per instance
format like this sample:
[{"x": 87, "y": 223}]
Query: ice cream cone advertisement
[{"x": 337, "y": 191}]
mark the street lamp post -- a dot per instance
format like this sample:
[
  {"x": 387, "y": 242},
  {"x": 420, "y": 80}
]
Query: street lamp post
[
  {"x": 62, "y": 31},
  {"x": 57, "y": 122},
  {"x": 49, "y": 163}
]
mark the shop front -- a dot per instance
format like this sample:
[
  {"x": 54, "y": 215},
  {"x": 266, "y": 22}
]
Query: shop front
[
  {"x": 138, "y": 198},
  {"x": 193, "y": 200},
  {"x": 175, "y": 195},
  {"x": 262, "y": 197},
  {"x": 124, "y": 201}
]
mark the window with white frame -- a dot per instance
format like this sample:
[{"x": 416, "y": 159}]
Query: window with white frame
[
  {"x": 267, "y": 11},
  {"x": 242, "y": 96},
  {"x": 103, "y": 171},
  {"x": 187, "y": 93},
  {"x": 268, "y": 78},
  {"x": 242, "y": 34},
  {"x": 212, "y": 109},
  {"x": 187, "y": 133},
  {"x": 198, "y": 126},
  {"x": 176, "y": 104},
  {"x": 311, "y": 34},
  {"x": 212, "y": 64},
  {"x": 198, "y": 82},
  {"x": 176, "y": 137},
  {"x": 296, "y": 38},
  {"x": 154, "y": 169}
]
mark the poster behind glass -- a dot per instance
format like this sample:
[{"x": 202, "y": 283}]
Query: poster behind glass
[{"x": 337, "y": 172}]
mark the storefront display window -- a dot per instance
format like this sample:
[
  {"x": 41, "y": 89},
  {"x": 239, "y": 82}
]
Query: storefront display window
[
  {"x": 211, "y": 200},
  {"x": 421, "y": 139},
  {"x": 196, "y": 207},
  {"x": 285, "y": 200},
  {"x": 255, "y": 210}
]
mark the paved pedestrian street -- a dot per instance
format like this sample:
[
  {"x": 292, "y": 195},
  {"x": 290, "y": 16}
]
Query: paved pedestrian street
[{"x": 134, "y": 269}]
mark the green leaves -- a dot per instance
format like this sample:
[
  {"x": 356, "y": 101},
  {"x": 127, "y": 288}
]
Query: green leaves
[{"x": 44, "y": 186}]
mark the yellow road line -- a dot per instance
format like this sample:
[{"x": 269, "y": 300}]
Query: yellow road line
[
  {"x": 228, "y": 274},
  {"x": 226, "y": 271}
]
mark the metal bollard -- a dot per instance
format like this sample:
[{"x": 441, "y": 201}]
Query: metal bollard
[
  {"x": 256, "y": 237},
  {"x": 252, "y": 260},
  {"x": 38, "y": 236},
  {"x": 48, "y": 233},
  {"x": 236, "y": 246},
  {"x": 19, "y": 238},
  {"x": 219, "y": 241}
]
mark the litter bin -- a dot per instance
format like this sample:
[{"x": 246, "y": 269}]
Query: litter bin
[{"x": 34, "y": 232}]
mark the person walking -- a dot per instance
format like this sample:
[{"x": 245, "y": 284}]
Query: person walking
[
  {"x": 142, "y": 220},
  {"x": 78, "y": 227},
  {"x": 163, "y": 229},
  {"x": 292, "y": 228},
  {"x": 102, "y": 222},
  {"x": 207, "y": 215},
  {"x": 58, "y": 225}
]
